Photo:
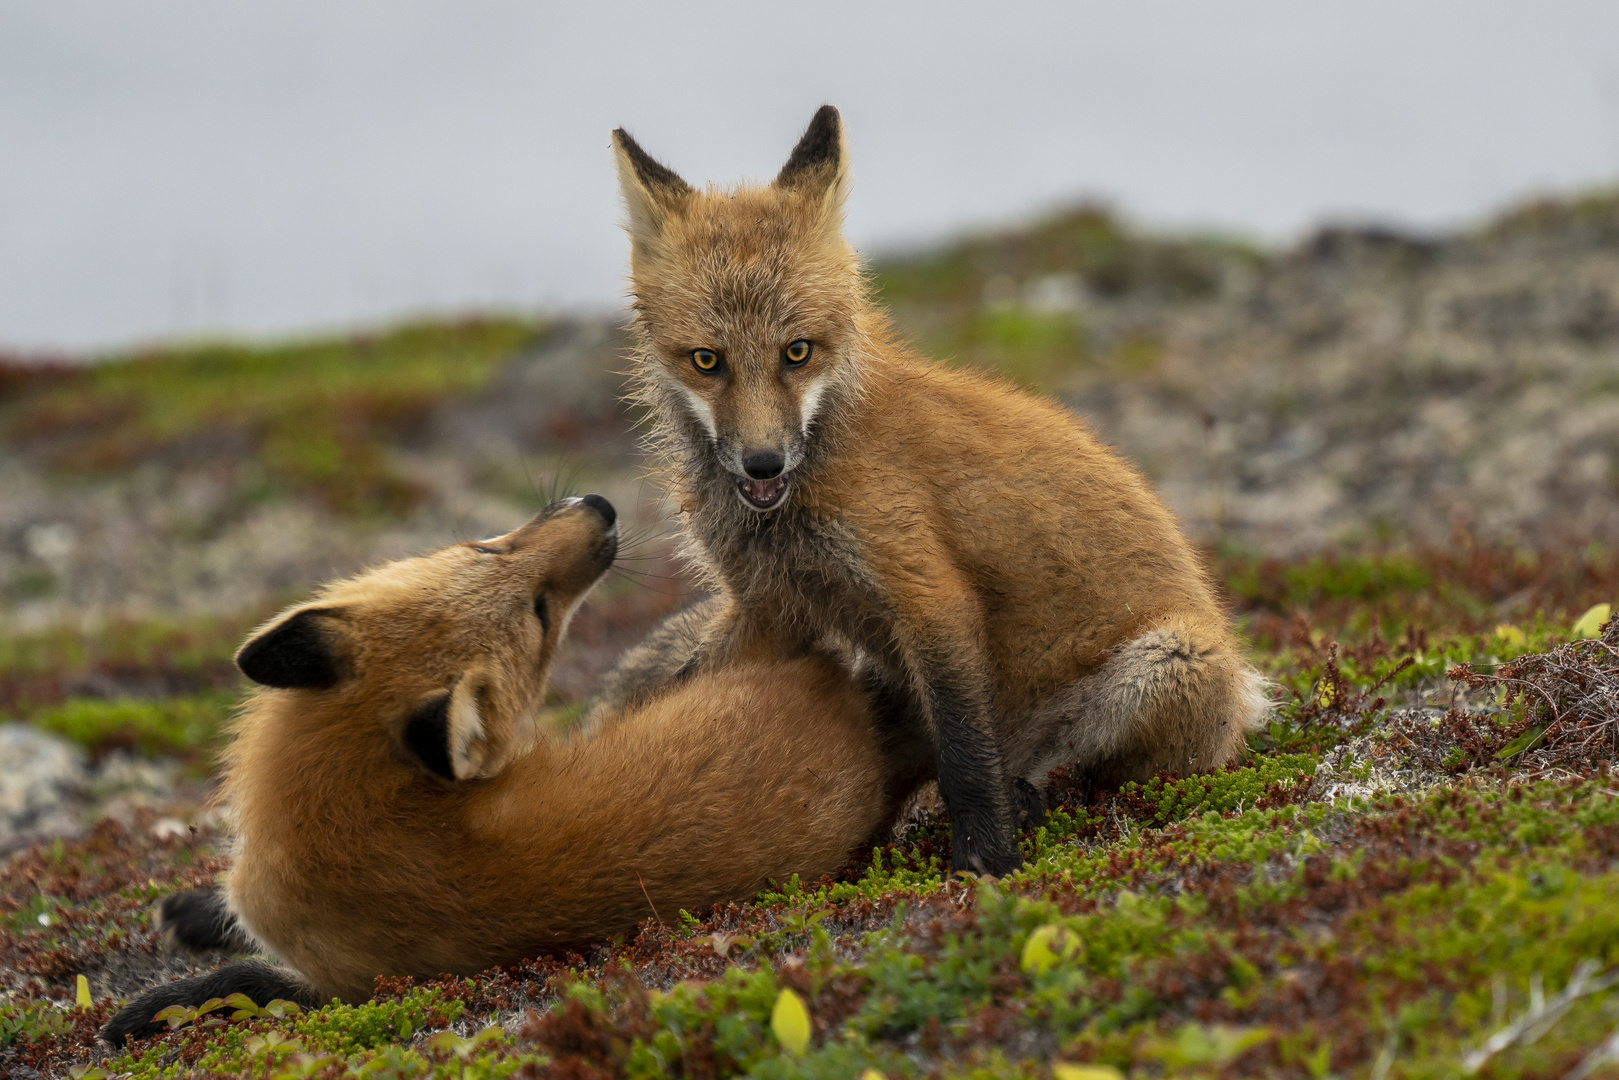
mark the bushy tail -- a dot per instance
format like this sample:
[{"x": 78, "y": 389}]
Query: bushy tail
[{"x": 262, "y": 983}]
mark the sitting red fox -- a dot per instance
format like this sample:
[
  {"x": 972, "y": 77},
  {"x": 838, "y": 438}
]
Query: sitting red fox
[
  {"x": 1017, "y": 585},
  {"x": 397, "y": 812}
]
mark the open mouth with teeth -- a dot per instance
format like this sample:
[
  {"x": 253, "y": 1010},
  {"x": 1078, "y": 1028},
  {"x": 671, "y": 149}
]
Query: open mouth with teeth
[{"x": 762, "y": 494}]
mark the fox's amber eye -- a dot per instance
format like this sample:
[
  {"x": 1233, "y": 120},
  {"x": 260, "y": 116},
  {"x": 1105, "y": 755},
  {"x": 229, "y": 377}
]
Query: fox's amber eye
[
  {"x": 799, "y": 351},
  {"x": 705, "y": 359}
]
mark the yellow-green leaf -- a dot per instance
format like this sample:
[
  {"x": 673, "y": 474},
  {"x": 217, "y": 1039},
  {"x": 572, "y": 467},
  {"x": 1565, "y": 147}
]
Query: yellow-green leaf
[
  {"x": 1590, "y": 624},
  {"x": 82, "y": 998},
  {"x": 1046, "y": 947},
  {"x": 1193, "y": 1045},
  {"x": 1084, "y": 1072},
  {"x": 790, "y": 1021},
  {"x": 872, "y": 1074},
  {"x": 1521, "y": 743}
]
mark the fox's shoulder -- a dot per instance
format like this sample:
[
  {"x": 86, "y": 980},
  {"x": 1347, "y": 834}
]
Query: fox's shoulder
[
  {"x": 918, "y": 415},
  {"x": 911, "y": 391}
]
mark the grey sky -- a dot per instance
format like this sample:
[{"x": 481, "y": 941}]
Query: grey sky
[{"x": 188, "y": 167}]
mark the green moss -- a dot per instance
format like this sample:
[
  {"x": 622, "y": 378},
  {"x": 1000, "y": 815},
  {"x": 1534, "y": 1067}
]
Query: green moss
[
  {"x": 172, "y": 726},
  {"x": 1028, "y": 347},
  {"x": 349, "y": 1035},
  {"x": 31, "y": 1021},
  {"x": 177, "y": 645},
  {"x": 313, "y": 418},
  {"x": 1160, "y": 801}
]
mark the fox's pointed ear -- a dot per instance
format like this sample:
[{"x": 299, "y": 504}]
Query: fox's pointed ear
[
  {"x": 297, "y": 651},
  {"x": 650, "y": 190},
  {"x": 445, "y": 733},
  {"x": 819, "y": 164}
]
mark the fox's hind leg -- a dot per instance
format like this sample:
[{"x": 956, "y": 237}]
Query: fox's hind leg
[{"x": 1178, "y": 698}]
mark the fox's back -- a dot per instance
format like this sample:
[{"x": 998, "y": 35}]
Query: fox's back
[{"x": 1045, "y": 520}]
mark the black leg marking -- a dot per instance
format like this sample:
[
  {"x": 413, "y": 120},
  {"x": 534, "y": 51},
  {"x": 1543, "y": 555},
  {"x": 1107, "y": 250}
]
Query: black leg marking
[
  {"x": 262, "y": 983},
  {"x": 198, "y": 920},
  {"x": 983, "y": 839}
]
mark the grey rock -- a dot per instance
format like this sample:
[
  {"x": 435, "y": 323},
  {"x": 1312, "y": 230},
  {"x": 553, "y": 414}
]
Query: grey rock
[{"x": 41, "y": 776}]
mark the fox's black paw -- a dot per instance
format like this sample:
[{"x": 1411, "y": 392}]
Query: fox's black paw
[
  {"x": 983, "y": 851},
  {"x": 198, "y": 920}
]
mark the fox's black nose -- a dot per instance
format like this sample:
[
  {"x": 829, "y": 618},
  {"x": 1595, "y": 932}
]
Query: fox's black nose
[
  {"x": 763, "y": 464},
  {"x": 602, "y": 507}
]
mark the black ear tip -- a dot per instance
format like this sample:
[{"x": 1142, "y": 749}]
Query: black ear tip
[
  {"x": 292, "y": 654},
  {"x": 817, "y": 151},
  {"x": 648, "y": 169}
]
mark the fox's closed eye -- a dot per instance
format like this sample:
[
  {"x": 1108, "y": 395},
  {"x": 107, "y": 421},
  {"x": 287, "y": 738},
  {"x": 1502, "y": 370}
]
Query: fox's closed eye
[{"x": 543, "y": 611}]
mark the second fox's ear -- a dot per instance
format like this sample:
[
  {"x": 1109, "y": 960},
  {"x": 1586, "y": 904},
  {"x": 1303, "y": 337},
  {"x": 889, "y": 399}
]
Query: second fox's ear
[
  {"x": 650, "y": 190},
  {"x": 819, "y": 164},
  {"x": 445, "y": 733},
  {"x": 298, "y": 651}
]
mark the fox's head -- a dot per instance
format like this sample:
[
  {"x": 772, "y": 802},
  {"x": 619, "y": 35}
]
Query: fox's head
[
  {"x": 750, "y": 303},
  {"x": 446, "y": 654}
]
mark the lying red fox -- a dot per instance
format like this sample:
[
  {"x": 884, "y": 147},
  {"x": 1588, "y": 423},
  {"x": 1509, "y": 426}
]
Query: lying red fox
[{"x": 397, "y": 811}]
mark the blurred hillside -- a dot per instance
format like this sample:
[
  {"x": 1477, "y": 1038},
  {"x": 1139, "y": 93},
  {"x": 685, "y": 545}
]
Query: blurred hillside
[
  {"x": 1363, "y": 389},
  {"x": 1362, "y": 384}
]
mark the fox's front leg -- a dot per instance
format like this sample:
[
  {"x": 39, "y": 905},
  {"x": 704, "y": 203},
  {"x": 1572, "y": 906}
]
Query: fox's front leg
[
  {"x": 941, "y": 637},
  {"x": 972, "y": 776}
]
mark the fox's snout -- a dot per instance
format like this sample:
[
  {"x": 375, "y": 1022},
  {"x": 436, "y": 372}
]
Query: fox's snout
[{"x": 759, "y": 438}]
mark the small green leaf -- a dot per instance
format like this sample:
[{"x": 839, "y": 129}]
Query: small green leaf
[
  {"x": 1589, "y": 625},
  {"x": 81, "y": 997},
  {"x": 1085, "y": 1072},
  {"x": 1046, "y": 947},
  {"x": 246, "y": 1008},
  {"x": 1520, "y": 744},
  {"x": 790, "y": 1021},
  {"x": 177, "y": 1015},
  {"x": 1193, "y": 1045}
]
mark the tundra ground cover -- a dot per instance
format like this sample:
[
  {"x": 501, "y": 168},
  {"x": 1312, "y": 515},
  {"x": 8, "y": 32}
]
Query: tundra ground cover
[{"x": 1281, "y": 918}]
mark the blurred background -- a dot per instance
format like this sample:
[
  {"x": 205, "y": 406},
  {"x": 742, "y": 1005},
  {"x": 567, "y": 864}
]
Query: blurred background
[
  {"x": 176, "y": 168},
  {"x": 287, "y": 289}
]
